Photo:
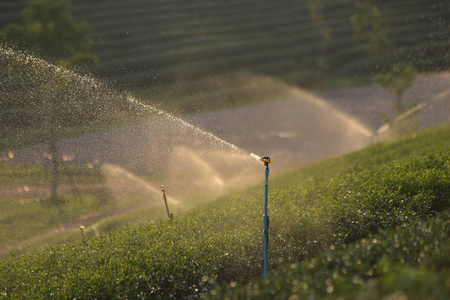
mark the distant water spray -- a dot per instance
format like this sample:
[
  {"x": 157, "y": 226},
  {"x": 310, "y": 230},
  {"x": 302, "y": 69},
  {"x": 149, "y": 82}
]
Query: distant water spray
[
  {"x": 383, "y": 129},
  {"x": 194, "y": 170},
  {"x": 348, "y": 119},
  {"x": 120, "y": 182}
]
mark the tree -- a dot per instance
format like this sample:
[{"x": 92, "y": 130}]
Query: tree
[
  {"x": 324, "y": 33},
  {"x": 368, "y": 28},
  {"x": 397, "y": 81},
  {"x": 48, "y": 29},
  {"x": 41, "y": 85}
]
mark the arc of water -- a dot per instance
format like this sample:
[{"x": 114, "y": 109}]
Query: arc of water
[
  {"x": 26, "y": 58},
  {"x": 401, "y": 117},
  {"x": 168, "y": 115},
  {"x": 343, "y": 116}
]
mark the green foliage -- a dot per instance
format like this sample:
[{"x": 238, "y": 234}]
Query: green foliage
[
  {"x": 25, "y": 214},
  {"x": 25, "y": 217},
  {"x": 49, "y": 29},
  {"x": 316, "y": 8},
  {"x": 13, "y": 175},
  {"x": 397, "y": 81},
  {"x": 158, "y": 46},
  {"x": 410, "y": 262},
  {"x": 368, "y": 28},
  {"x": 222, "y": 242},
  {"x": 33, "y": 90}
]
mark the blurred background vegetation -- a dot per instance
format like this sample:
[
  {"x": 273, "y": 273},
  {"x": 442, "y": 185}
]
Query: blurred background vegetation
[{"x": 178, "y": 53}]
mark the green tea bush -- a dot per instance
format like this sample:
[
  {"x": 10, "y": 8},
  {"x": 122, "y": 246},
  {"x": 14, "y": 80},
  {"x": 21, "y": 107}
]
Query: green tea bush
[
  {"x": 222, "y": 242},
  {"x": 350, "y": 206},
  {"x": 410, "y": 262}
]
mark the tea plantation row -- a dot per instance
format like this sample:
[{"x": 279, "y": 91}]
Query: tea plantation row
[
  {"x": 222, "y": 242},
  {"x": 410, "y": 262},
  {"x": 168, "y": 50}
]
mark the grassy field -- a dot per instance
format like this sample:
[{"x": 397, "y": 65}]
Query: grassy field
[
  {"x": 30, "y": 222},
  {"x": 164, "y": 51},
  {"x": 343, "y": 203},
  {"x": 24, "y": 210}
]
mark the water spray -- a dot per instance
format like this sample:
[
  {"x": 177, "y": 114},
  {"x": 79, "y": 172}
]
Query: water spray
[
  {"x": 169, "y": 214},
  {"x": 266, "y": 160}
]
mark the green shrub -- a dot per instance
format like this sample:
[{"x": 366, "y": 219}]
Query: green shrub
[
  {"x": 410, "y": 262},
  {"x": 222, "y": 242}
]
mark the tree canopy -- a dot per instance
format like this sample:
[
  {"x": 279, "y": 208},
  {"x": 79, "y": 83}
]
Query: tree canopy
[
  {"x": 49, "y": 29},
  {"x": 368, "y": 28}
]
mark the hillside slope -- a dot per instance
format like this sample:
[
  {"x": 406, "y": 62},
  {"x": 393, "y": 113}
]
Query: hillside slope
[
  {"x": 332, "y": 203},
  {"x": 166, "y": 49}
]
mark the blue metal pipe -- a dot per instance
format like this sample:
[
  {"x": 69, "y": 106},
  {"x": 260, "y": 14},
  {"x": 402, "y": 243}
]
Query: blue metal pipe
[
  {"x": 266, "y": 160},
  {"x": 266, "y": 220}
]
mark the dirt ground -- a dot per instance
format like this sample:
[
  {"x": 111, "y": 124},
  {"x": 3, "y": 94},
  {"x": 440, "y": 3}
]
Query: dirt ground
[{"x": 367, "y": 102}]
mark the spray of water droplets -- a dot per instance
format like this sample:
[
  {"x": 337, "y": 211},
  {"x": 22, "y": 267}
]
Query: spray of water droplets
[
  {"x": 182, "y": 122},
  {"x": 99, "y": 90}
]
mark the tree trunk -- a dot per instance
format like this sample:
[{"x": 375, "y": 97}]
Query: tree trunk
[{"x": 54, "y": 157}]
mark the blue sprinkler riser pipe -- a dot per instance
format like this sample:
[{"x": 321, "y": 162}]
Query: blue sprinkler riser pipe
[
  {"x": 266, "y": 160},
  {"x": 266, "y": 221}
]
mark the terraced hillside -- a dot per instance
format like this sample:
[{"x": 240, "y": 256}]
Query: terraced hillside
[{"x": 188, "y": 49}]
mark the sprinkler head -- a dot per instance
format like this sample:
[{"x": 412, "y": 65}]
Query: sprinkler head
[
  {"x": 266, "y": 160},
  {"x": 162, "y": 188}
]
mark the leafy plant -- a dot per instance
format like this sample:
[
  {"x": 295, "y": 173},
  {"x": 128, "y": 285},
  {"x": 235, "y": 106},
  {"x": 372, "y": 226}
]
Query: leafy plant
[
  {"x": 222, "y": 242},
  {"x": 408, "y": 262},
  {"x": 397, "y": 81},
  {"x": 49, "y": 29},
  {"x": 368, "y": 27}
]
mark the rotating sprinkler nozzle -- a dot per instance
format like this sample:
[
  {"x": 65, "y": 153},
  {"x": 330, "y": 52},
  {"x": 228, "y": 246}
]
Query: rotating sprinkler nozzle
[
  {"x": 266, "y": 160},
  {"x": 169, "y": 214}
]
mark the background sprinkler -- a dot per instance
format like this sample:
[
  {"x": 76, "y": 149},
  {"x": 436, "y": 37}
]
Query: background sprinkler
[
  {"x": 169, "y": 214},
  {"x": 82, "y": 231},
  {"x": 266, "y": 160}
]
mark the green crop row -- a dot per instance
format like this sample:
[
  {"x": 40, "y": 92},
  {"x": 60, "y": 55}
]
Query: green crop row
[
  {"x": 158, "y": 28},
  {"x": 149, "y": 45},
  {"x": 410, "y": 262},
  {"x": 222, "y": 242},
  {"x": 265, "y": 21}
]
